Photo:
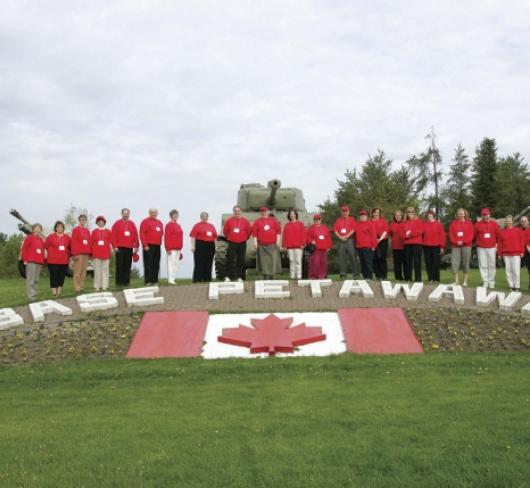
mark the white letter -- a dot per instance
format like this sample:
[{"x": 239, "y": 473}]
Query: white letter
[
  {"x": 526, "y": 310},
  {"x": 40, "y": 309},
  {"x": 412, "y": 293},
  {"x": 506, "y": 304},
  {"x": 9, "y": 318},
  {"x": 316, "y": 286},
  {"x": 140, "y": 297},
  {"x": 96, "y": 301},
  {"x": 356, "y": 287},
  {"x": 224, "y": 288},
  {"x": 271, "y": 289},
  {"x": 454, "y": 290}
]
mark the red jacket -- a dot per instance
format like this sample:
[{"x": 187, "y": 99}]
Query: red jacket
[
  {"x": 319, "y": 236},
  {"x": 365, "y": 235},
  {"x": 266, "y": 230},
  {"x": 204, "y": 231},
  {"x": 173, "y": 237},
  {"x": 526, "y": 233},
  {"x": 237, "y": 229},
  {"x": 344, "y": 225},
  {"x": 58, "y": 248},
  {"x": 434, "y": 234},
  {"x": 80, "y": 243},
  {"x": 151, "y": 232},
  {"x": 511, "y": 242},
  {"x": 394, "y": 231},
  {"x": 461, "y": 231},
  {"x": 487, "y": 233},
  {"x": 381, "y": 226},
  {"x": 412, "y": 231},
  {"x": 33, "y": 249},
  {"x": 100, "y": 243},
  {"x": 124, "y": 234},
  {"x": 294, "y": 235}
]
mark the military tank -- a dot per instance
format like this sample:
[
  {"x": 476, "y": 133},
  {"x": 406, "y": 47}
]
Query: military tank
[{"x": 250, "y": 198}]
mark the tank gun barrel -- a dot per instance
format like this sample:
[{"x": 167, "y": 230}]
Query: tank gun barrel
[
  {"x": 274, "y": 185},
  {"x": 15, "y": 213}
]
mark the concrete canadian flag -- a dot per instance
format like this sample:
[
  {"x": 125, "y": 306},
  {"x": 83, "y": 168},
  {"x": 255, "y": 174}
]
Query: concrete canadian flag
[{"x": 254, "y": 335}]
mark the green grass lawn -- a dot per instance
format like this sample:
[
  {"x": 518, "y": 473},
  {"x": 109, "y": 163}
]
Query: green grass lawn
[{"x": 429, "y": 420}]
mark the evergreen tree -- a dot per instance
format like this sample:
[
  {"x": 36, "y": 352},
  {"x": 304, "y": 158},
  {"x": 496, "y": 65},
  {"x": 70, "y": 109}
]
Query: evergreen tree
[
  {"x": 512, "y": 185},
  {"x": 484, "y": 184},
  {"x": 456, "y": 193},
  {"x": 424, "y": 176}
]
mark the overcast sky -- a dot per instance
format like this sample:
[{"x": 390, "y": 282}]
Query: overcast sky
[{"x": 175, "y": 103}]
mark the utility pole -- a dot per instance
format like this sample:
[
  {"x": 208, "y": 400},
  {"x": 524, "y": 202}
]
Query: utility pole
[{"x": 433, "y": 150}]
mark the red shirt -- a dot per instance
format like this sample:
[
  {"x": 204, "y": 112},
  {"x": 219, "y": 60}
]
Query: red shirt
[
  {"x": 487, "y": 233},
  {"x": 294, "y": 235},
  {"x": 381, "y": 226},
  {"x": 100, "y": 243},
  {"x": 394, "y": 231},
  {"x": 80, "y": 243},
  {"x": 173, "y": 237},
  {"x": 237, "y": 229},
  {"x": 151, "y": 232},
  {"x": 461, "y": 231},
  {"x": 124, "y": 234},
  {"x": 33, "y": 249},
  {"x": 526, "y": 233},
  {"x": 58, "y": 248},
  {"x": 365, "y": 235},
  {"x": 319, "y": 236},
  {"x": 511, "y": 242},
  {"x": 204, "y": 231},
  {"x": 433, "y": 234},
  {"x": 415, "y": 236},
  {"x": 344, "y": 225},
  {"x": 266, "y": 230}
]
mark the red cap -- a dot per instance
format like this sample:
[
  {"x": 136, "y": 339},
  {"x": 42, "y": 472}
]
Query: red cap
[
  {"x": 485, "y": 211},
  {"x": 136, "y": 257},
  {"x": 264, "y": 209},
  {"x": 363, "y": 212},
  {"x": 345, "y": 208},
  {"x": 100, "y": 217},
  {"x": 317, "y": 217}
]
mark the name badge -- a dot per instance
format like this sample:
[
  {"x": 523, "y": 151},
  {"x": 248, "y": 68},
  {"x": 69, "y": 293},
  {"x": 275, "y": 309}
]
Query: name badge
[
  {"x": 209, "y": 233},
  {"x": 61, "y": 248},
  {"x": 85, "y": 242},
  {"x": 321, "y": 238},
  {"x": 343, "y": 231},
  {"x": 101, "y": 243},
  {"x": 459, "y": 234},
  {"x": 158, "y": 229},
  {"x": 487, "y": 235},
  {"x": 236, "y": 231},
  {"x": 39, "y": 251},
  {"x": 126, "y": 233},
  {"x": 266, "y": 227}
]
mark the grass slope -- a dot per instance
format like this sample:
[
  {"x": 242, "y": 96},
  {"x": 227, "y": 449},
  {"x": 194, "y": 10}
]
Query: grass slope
[{"x": 427, "y": 420}]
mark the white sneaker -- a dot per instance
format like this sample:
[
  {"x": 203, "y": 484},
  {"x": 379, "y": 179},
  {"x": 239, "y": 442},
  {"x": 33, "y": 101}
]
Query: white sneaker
[
  {"x": 227, "y": 279},
  {"x": 171, "y": 283},
  {"x": 240, "y": 280}
]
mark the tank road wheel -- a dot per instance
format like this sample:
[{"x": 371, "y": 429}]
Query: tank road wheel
[{"x": 220, "y": 259}]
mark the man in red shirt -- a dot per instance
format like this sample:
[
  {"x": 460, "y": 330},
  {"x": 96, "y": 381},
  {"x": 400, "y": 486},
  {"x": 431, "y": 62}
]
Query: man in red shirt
[
  {"x": 236, "y": 231},
  {"x": 80, "y": 248},
  {"x": 486, "y": 236},
  {"x": 124, "y": 241},
  {"x": 318, "y": 235},
  {"x": 266, "y": 231},
  {"x": 344, "y": 230},
  {"x": 151, "y": 233}
]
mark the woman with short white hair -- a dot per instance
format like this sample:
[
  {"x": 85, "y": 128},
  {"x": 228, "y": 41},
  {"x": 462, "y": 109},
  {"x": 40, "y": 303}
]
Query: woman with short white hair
[{"x": 511, "y": 248}]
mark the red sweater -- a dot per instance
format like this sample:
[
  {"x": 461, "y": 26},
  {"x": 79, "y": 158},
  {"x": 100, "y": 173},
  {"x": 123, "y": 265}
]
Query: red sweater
[
  {"x": 237, "y": 229},
  {"x": 344, "y": 225},
  {"x": 204, "y": 231},
  {"x": 487, "y": 233},
  {"x": 100, "y": 243},
  {"x": 58, "y": 248},
  {"x": 80, "y": 243},
  {"x": 511, "y": 242},
  {"x": 33, "y": 249},
  {"x": 365, "y": 236},
  {"x": 294, "y": 235},
  {"x": 434, "y": 234},
  {"x": 412, "y": 231},
  {"x": 124, "y": 234},
  {"x": 151, "y": 232},
  {"x": 394, "y": 231},
  {"x": 319, "y": 236},
  {"x": 173, "y": 237},
  {"x": 461, "y": 231},
  {"x": 526, "y": 233},
  {"x": 381, "y": 226},
  {"x": 266, "y": 230}
]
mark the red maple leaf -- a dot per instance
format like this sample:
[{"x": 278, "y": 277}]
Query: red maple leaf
[{"x": 271, "y": 335}]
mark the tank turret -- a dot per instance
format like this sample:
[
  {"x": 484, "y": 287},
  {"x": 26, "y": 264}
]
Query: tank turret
[{"x": 25, "y": 226}]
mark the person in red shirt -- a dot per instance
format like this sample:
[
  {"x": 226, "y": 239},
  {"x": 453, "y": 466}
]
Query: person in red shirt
[
  {"x": 101, "y": 250},
  {"x": 344, "y": 230},
  {"x": 294, "y": 240},
  {"x": 151, "y": 233},
  {"x": 32, "y": 255},
  {"x": 80, "y": 249},
  {"x": 525, "y": 228},
  {"x": 57, "y": 247},
  {"x": 173, "y": 242},
  {"x": 267, "y": 232},
  {"x": 511, "y": 248},
  {"x": 412, "y": 235},
  {"x": 433, "y": 245},
  {"x": 236, "y": 230},
  {"x": 381, "y": 251},
  {"x": 318, "y": 235},
  {"x": 486, "y": 235},
  {"x": 366, "y": 242},
  {"x": 461, "y": 233},
  {"x": 398, "y": 254},
  {"x": 203, "y": 236},
  {"x": 125, "y": 242}
]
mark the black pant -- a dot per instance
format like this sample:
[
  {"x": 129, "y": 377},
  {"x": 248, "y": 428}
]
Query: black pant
[
  {"x": 399, "y": 263},
  {"x": 380, "y": 266},
  {"x": 203, "y": 261},
  {"x": 123, "y": 265},
  {"x": 235, "y": 260},
  {"x": 413, "y": 261},
  {"x": 432, "y": 262},
  {"x": 366, "y": 256},
  {"x": 526, "y": 261},
  {"x": 151, "y": 263},
  {"x": 57, "y": 274}
]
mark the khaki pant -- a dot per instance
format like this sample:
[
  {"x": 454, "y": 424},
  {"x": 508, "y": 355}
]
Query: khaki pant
[
  {"x": 101, "y": 274},
  {"x": 295, "y": 262},
  {"x": 80, "y": 265},
  {"x": 32, "y": 278}
]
